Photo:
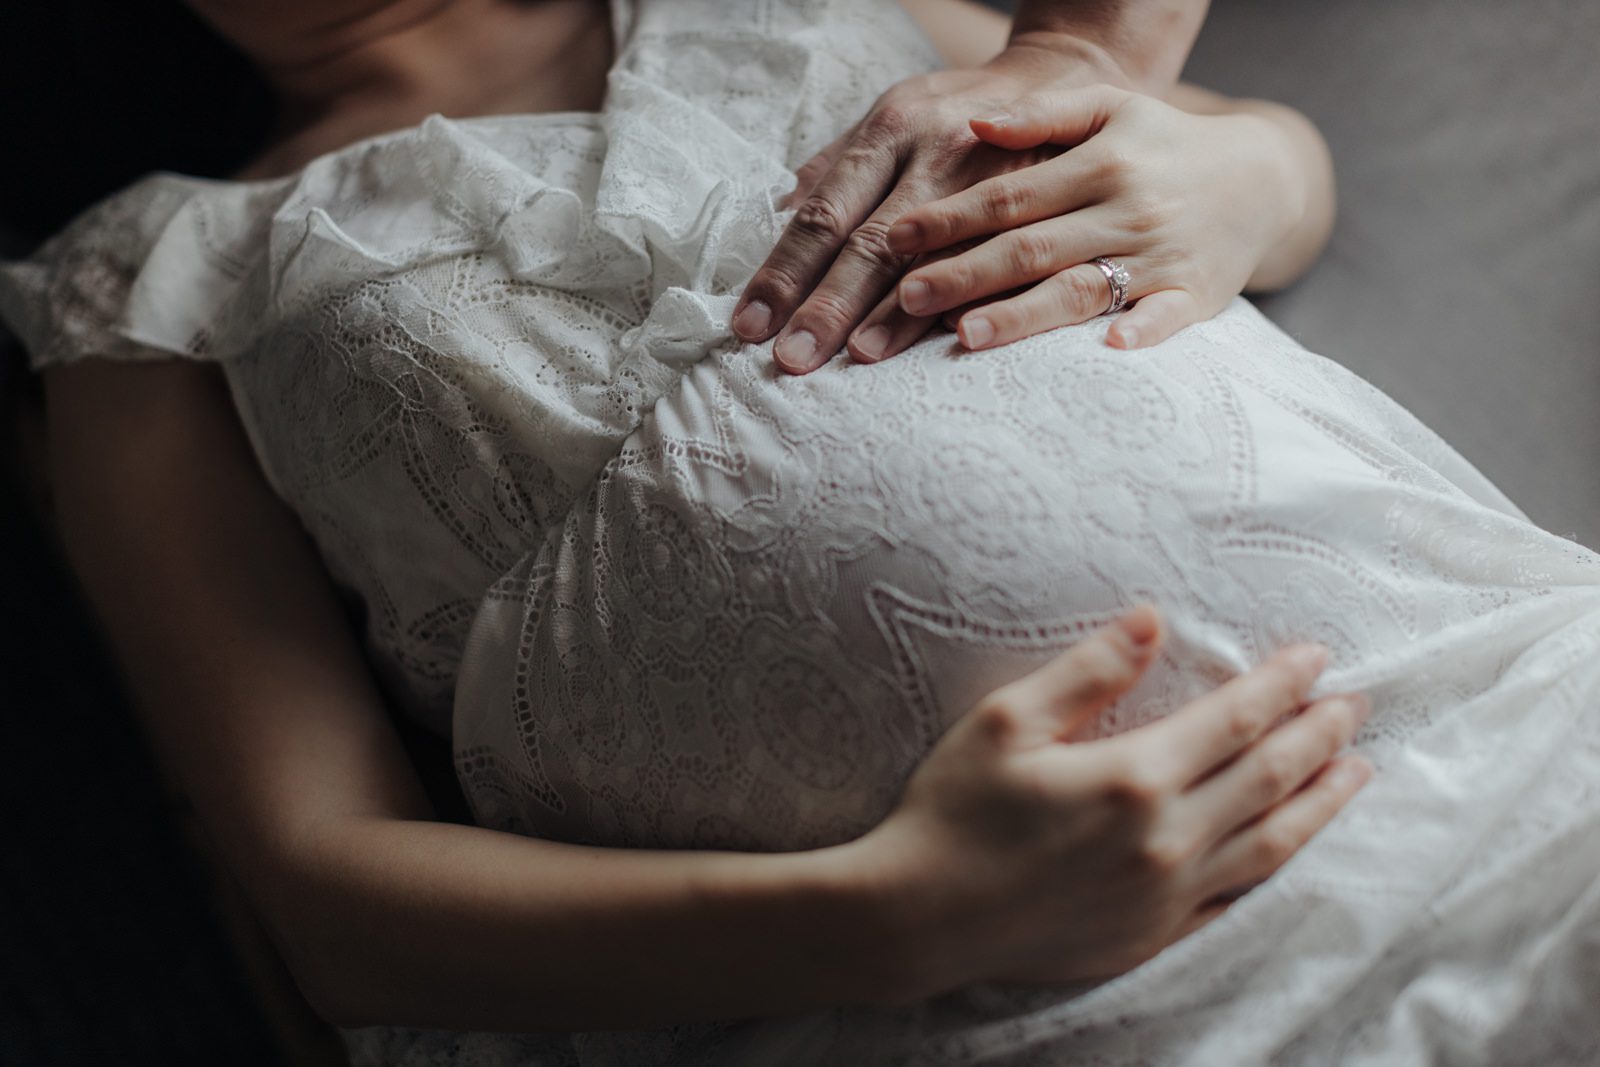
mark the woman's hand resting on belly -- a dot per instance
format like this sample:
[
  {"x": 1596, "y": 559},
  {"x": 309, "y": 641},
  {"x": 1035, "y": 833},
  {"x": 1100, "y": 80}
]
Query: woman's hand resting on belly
[
  {"x": 1199, "y": 201},
  {"x": 832, "y": 264},
  {"x": 1019, "y": 854}
]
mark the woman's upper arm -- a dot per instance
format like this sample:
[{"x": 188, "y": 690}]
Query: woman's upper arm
[{"x": 249, "y": 680}]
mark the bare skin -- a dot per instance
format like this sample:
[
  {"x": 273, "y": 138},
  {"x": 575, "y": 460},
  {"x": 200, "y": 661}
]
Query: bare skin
[
  {"x": 1201, "y": 199},
  {"x": 1096, "y": 854},
  {"x": 352, "y": 69},
  {"x": 833, "y": 264},
  {"x": 1197, "y": 202}
]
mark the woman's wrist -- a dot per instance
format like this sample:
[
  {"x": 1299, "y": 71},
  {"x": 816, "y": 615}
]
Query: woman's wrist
[
  {"x": 1061, "y": 60},
  {"x": 842, "y": 911},
  {"x": 1133, "y": 44},
  {"x": 1273, "y": 170},
  {"x": 1296, "y": 162}
]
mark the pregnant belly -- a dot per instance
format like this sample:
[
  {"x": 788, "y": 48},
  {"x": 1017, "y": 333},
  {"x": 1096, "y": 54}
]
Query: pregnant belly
[{"x": 783, "y": 591}]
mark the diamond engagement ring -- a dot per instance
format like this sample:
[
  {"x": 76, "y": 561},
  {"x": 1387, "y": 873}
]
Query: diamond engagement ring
[{"x": 1118, "y": 278}]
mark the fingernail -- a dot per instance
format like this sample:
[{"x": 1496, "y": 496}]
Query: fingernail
[
  {"x": 903, "y": 236},
  {"x": 1360, "y": 706},
  {"x": 976, "y": 331},
  {"x": 997, "y": 119},
  {"x": 1141, "y": 625},
  {"x": 1129, "y": 337},
  {"x": 797, "y": 352},
  {"x": 1310, "y": 658},
  {"x": 915, "y": 294},
  {"x": 753, "y": 320},
  {"x": 872, "y": 342}
]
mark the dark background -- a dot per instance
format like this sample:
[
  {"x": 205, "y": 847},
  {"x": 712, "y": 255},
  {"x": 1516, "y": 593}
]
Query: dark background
[
  {"x": 1463, "y": 278},
  {"x": 117, "y": 942}
]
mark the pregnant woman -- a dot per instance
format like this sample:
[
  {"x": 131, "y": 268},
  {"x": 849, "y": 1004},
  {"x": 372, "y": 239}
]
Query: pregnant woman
[{"x": 710, "y": 632}]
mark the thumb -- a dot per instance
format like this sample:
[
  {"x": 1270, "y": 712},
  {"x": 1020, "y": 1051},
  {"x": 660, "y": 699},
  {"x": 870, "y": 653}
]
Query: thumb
[
  {"x": 1065, "y": 694},
  {"x": 1067, "y": 117}
]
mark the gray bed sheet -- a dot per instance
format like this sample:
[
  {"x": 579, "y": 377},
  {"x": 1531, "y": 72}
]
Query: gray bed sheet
[{"x": 1464, "y": 273}]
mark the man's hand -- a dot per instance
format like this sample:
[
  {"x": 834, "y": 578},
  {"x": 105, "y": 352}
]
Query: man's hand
[{"x": 833, "y": 265}]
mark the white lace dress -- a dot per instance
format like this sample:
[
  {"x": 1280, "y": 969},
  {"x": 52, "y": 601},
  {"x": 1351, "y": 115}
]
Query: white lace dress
[{"x": 663, "y": 596}]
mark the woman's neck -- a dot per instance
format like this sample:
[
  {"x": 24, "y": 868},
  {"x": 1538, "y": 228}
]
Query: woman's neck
[{"x": 345, "y": 71}]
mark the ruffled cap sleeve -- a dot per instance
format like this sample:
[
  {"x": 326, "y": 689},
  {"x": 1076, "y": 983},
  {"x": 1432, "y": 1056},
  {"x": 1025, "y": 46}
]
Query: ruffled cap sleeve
[{"x": 144, "y": 274}]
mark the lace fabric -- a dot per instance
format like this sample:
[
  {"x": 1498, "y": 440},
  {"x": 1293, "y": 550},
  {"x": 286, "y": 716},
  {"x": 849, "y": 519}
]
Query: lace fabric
[{"x": 663, "y": 596}]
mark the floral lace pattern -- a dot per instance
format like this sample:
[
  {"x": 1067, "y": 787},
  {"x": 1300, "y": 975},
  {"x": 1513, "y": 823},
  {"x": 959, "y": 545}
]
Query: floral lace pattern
[{"x": 663, "y": 596}]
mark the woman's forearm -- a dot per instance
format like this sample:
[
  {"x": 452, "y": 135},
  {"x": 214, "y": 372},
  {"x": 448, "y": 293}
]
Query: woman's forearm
[
  {"x": 1306, "y": 178},
  {"x": 1145, "y": 42},
  {"x": 449, "y": 926},
  {"x": 265, "y": 716}
]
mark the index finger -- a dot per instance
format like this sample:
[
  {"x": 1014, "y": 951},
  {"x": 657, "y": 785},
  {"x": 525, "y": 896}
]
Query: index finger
[
  {"x": 839, "y": 202},
  {"x": 1043, "y": 191},
  {"x": 1209, "y": 732}
]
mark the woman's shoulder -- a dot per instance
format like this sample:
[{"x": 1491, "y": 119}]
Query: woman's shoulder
[
  {"x": 146, "y": 271},
  {"x": 167, "y": 241},
  {"x": 196, "y": 267}
]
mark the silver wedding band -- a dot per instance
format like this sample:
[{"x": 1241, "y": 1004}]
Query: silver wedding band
[{"x": 1119, "y": 279}]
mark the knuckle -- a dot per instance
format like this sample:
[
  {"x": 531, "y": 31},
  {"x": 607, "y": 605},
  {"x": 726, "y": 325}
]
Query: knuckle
[
  {"x": 1351, "y": 714},
  {"x": 828, "y": 312},
  {"x": 997, "y": 719},
  {"x": 1274, "y": 844},
  {"x": 950, "y": 279},
  {"x": 821, "y": 217},
  {"x": 1029, "y": 253},
  {"x": 870, "y": 242},
  {"x": 779, "y": 281},
  {"x": 1285, "y": 675},
  {"x": 1137, "y": 792},
  {"x": 812, "y": 169},
  {"x": 1276, "y": 773},
  {"x": 1284, "y": 689},
  {"x": 1112, "y": 167},
  {"x": 1004, "y": 202},
  {"x": 1100, "y": 668},
  {"x": 939, "y": 222},
  {"x": 1147, "y": 214},
  {"x": 890, "y": 120},
  {"x": 1334, "y": 729},
  {"x": 1011, "y": 321},
  {"x": 961, "y": 276},
  {"x": 862, "y": 152},
  {"x": 1239, "y": 725},
  {"x": 1165, "y": 853},
  {"x": 1081, "y": 293},
  {"x": 954, "y": 143}
]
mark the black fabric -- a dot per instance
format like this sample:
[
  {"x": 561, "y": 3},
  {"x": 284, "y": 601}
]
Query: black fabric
[
  {"x": 110, "y": 951},
  {"x": 96, "y": 93}
]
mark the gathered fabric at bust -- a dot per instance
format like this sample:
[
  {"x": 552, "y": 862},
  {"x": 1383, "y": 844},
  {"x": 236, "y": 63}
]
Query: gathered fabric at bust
[{"x": 661, "y": 595}]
